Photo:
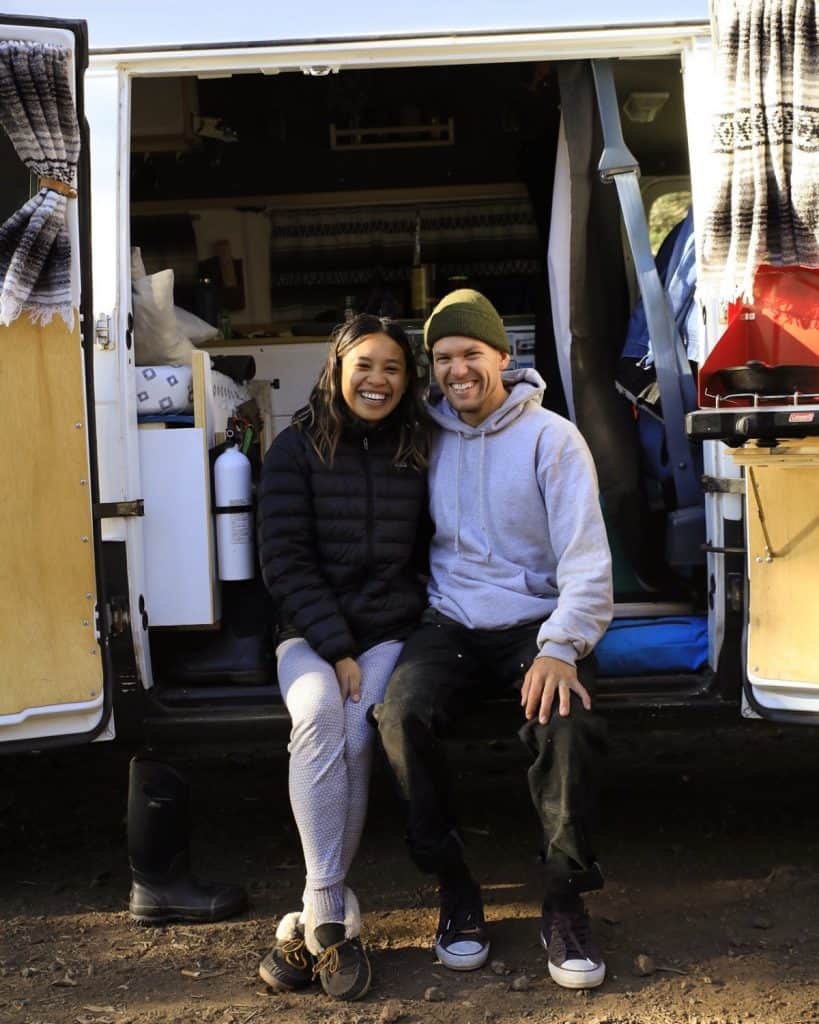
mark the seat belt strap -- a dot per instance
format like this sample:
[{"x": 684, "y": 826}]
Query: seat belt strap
[{"x": 678, "y": 392}]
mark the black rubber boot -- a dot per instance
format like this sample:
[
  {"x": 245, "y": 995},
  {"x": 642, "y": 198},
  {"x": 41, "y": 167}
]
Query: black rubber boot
[{"x": 163, "y": 888}]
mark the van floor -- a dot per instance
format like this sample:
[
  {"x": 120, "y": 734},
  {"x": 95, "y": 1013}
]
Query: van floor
[{"x": 708, "y": 843}]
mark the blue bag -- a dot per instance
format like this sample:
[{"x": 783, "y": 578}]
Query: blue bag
[{"x": 638, "y": 647}]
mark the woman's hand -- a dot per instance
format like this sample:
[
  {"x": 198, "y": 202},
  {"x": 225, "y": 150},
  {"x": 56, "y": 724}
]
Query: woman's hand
[{"x": 349, "y": 679}]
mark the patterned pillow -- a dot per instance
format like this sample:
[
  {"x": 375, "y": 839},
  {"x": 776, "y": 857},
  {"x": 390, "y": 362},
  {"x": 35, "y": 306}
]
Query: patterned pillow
[{"x": 164, "y": 390}]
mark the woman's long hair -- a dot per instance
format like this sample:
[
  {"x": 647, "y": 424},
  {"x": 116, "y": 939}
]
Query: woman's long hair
[{"x": 322, "y": 419}]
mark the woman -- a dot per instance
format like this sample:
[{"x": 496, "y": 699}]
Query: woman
[{"x": 342, "y": 494}]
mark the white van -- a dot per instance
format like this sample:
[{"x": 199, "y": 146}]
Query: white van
[{"x": 290, "y": 166}]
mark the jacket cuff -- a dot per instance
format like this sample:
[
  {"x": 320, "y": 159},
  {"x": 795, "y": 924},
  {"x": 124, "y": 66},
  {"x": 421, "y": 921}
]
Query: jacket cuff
[
  {"x": 553, "y": 649},
  {"x": 336, "y": 650}
]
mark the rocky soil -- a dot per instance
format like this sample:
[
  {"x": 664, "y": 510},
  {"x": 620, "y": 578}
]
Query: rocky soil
[{"x": 710, "y": 914}]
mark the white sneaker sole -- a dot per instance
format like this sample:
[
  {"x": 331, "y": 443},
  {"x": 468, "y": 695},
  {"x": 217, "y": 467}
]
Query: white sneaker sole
[
  {"x": 462, "y": 961},
  {"x": 575, "y": 978}
]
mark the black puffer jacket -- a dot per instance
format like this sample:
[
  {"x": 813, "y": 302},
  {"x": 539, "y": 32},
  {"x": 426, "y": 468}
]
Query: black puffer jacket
[{"x": 337, "y": 544}]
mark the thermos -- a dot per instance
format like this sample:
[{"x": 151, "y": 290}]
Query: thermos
[{"x": 421, "y": 275}]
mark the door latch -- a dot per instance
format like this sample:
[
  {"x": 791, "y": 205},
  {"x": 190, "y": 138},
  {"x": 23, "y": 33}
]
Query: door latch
[{"x": 102, "y": 332}]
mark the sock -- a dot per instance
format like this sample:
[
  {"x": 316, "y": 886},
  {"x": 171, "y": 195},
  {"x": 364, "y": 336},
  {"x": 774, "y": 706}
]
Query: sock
[{"x": 328, "y": 904}]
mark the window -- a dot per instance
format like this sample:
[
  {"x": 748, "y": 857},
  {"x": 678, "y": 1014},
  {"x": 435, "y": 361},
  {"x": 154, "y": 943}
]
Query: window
[{"x": 666, "y": 211}]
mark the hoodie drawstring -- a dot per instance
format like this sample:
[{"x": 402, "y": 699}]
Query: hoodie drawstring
[
  {"x": 482, "y": 497},
  {"x": 458, "y": 494}
]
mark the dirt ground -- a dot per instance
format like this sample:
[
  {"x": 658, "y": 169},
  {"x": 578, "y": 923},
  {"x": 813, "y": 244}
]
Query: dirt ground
[{"x": 710, "y": 913}]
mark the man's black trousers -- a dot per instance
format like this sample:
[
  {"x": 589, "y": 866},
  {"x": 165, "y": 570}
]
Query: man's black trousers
[{"x": 443, "y": 670}]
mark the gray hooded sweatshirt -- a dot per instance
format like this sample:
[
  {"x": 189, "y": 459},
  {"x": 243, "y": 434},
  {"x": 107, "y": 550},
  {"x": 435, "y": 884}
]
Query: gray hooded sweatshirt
[{"x": 519, "y": 535}]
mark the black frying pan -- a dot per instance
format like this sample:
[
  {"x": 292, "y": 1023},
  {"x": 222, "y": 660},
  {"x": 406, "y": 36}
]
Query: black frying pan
[{"x": 759, "y": 378}]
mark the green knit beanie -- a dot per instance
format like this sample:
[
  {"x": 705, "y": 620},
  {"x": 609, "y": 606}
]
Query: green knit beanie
[{"x": 468, "y": 314}]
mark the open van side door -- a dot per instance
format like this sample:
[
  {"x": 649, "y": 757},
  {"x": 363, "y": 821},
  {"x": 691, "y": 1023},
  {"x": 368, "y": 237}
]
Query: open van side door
[
  {"x": 55, "y": 671},
  {"x": 782, "y": 515},
  {"x": 771, "y": 428}
]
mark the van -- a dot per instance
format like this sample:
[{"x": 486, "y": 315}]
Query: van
[{"x": 248, "y": 178}]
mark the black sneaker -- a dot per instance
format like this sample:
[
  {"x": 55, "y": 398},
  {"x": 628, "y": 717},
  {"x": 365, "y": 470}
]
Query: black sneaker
[
  {"x": 342, "y": 967},
  {"x": 289, "y": 965},
  {"x": 461, "y": 942},
  {"x": 574, "y": 959}
]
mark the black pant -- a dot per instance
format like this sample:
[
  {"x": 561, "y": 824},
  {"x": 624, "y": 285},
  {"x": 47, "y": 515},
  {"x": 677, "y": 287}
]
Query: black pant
[{"x": 441, "y": 672}]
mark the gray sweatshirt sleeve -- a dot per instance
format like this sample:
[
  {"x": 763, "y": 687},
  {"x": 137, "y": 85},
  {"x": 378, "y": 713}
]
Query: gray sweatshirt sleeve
[{"x": 578, "y": 538}]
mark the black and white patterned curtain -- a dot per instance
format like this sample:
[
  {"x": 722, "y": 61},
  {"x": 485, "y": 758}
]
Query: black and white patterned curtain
[
  {"x": 765, "y": 192},
  {"x": 38, "y": 114}
]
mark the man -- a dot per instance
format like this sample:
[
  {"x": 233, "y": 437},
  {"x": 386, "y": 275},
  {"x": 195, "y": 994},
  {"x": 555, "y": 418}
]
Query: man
[{"x": 519, "y": 594}]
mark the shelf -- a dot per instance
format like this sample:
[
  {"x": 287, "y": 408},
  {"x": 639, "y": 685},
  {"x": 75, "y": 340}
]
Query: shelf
[{"x": 349, "y": 198}]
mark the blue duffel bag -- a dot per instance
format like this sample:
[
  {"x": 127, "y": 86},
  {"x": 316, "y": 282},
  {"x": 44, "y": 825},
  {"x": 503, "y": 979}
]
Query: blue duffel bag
[{"x": 639, "y": 647}]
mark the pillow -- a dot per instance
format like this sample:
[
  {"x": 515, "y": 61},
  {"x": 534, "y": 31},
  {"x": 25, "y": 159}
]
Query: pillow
[
  {"x": 157, "y": 337},
  {"x": 163, "y": 390},
  {"x": 198, "y": 330},
  {"x": 137, "y": 266}
]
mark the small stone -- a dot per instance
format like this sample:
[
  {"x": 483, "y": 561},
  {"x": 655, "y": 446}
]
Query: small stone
[
  {"x": 66, "y": 982},
  {"x": 390, "y": 1013},
  {"x": 644, "y": 966},
  {"x": 434, "y": 994},
  {"x": 763, "y": 923},
  {"x": 707, "y": 979},
  {"x": 499, "y": 967},
  {"x": 521, "y": 984}
]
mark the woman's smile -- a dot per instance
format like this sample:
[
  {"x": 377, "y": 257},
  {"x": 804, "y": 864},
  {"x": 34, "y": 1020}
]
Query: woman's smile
[{"x": 373, "y": 377}]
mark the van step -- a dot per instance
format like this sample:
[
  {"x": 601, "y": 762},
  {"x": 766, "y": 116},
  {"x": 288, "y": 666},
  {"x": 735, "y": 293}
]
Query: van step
[{"x": 223, "y": 696}]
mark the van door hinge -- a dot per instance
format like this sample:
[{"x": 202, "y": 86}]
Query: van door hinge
[
  {"x": 119, "y": 619},
  {"x": 115, "y": 509},
  {"x": 102, "y": 332},
  {"x": 723, "y": 485}
]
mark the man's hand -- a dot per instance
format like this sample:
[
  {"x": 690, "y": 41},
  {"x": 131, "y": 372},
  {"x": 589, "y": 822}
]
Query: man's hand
[
  {"x": 545, "y": 678},
  {"x": 349, "y": 679}
]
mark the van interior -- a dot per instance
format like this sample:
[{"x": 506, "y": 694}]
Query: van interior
[{"x": 284, "y": 203}]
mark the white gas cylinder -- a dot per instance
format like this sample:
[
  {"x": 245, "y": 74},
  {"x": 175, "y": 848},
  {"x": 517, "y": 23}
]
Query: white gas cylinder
[{"x": 234, "y": 530}]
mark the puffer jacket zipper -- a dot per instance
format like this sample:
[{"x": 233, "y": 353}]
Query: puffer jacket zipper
[{"x": 368, "y": 477}]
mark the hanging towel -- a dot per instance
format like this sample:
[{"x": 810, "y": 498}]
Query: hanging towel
[
  {"x": 765, "y": 205},
  {"x": 38, "y": 114}
]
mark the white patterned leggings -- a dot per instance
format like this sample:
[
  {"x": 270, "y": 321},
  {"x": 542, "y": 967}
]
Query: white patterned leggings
[{"x": 331, "y": 748}]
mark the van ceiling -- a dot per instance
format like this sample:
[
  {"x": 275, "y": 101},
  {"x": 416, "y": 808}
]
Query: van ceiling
[{"x": 505, "y": 116}]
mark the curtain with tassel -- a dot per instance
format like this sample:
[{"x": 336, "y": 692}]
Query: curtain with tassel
[
  {"x": 765, "y": 142},
  {"x": 37, "y": 112}
]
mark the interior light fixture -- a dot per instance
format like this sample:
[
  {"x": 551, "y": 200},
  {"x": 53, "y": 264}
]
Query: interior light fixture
[{"x": 643, "y": 107}]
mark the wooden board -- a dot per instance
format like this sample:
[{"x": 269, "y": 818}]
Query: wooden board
[
  {"x": 49, "y": 650},
  {"x": 784, "y": 591}
]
